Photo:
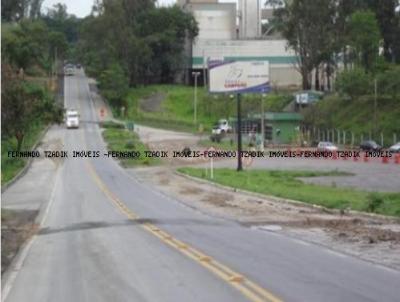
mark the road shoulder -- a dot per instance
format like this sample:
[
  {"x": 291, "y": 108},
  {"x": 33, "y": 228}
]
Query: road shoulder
[{"x": 372, "y": 238}]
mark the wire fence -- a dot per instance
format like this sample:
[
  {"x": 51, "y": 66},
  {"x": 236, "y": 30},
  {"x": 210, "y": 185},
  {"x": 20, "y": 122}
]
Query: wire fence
[{"x": 347, "y": 138}]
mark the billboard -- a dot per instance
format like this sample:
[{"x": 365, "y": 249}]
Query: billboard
[{"x": 239, "y": 77}]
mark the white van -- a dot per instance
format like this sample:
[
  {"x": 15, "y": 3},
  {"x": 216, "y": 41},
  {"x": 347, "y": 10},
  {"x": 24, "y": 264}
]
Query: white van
[{"x": 72, "y": 118}]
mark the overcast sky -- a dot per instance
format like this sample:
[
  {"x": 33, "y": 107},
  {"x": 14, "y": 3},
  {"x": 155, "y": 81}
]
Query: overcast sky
[{"x": 82, "y": 8}]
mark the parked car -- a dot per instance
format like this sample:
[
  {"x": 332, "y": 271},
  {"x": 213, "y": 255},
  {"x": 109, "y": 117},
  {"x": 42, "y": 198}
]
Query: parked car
[
  {"x": 395, "y": 148},
  {"x": 326, "y": 146},
  {"x": 72, "y": 118},
  {"x": 370, "y": 145},
  {"x": 221, "y": 127}
]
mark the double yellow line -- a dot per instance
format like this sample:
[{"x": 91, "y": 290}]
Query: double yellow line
[{"x": 247, "y": 287}]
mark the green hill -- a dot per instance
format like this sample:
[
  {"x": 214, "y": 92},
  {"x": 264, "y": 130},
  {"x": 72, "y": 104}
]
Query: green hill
[
  {"x": 172, "y": 106},
  {"x": 357, "y": 116}
]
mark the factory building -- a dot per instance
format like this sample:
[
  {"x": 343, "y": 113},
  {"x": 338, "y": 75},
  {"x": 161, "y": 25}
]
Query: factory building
[{"x": 233, "y": 31}]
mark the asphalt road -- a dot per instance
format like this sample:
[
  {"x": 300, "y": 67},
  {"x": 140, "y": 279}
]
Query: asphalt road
[{"x": 107, "y": 237}]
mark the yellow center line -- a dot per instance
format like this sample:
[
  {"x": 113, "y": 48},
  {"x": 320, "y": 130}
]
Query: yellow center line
[{"x": 248, "y": 288}]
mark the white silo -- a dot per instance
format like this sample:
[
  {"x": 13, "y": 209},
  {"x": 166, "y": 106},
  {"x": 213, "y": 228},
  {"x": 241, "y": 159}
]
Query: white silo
[{"x": 249, "y": 14}]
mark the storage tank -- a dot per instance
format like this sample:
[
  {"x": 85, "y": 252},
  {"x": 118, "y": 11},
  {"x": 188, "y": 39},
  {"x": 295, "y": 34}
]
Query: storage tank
[{"x": 249, "y": 14}]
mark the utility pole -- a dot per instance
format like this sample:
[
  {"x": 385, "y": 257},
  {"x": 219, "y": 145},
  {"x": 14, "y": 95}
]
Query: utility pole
[
  {"x": 375, "y": 107},
  {"x": 239, "y": 133},
  {"x": 195, "y": 74}
]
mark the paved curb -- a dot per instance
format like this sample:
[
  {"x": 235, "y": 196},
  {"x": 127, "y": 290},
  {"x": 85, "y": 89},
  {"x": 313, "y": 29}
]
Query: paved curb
[
  {"x": 290, "y": 201},
  {"x": 25, "y": 169}
]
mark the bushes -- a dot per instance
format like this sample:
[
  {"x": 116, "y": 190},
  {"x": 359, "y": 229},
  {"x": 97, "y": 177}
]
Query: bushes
[{"x": 354, "y": 83}]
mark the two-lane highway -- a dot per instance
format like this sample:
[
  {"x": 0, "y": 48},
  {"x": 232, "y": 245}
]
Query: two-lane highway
[{"x": 109, "y": 237}]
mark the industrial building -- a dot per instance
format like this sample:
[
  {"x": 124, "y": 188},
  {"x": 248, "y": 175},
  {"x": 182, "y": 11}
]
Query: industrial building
[{"x": 232, "y": 31}]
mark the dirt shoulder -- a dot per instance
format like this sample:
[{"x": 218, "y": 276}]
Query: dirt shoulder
[
  {"x": 369, "y": 237},
  {"x": 372, "y": 238},
  {"x": 17, "y": 226}
]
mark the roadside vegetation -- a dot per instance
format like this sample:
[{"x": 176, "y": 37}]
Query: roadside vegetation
[
  {"x": 285, "y": 184},
  {"x": 172, "y": 106},
  {"x": 30, "y": 45},
  {"x": 120, "y": 139},
  {"x": 351, "y": 47}
]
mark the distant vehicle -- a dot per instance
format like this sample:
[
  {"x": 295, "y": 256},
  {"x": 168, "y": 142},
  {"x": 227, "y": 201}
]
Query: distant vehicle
[
  {"x": 326, "y": 146},
  {"x": 79, "y": 66},
  {"x": 395, "y": 148},
  {"x": 69, "y": 71},
  {"x": 72, "y": 118},
  {"x": 370, "y": 145},
  {"x": 221, "y": 127}
]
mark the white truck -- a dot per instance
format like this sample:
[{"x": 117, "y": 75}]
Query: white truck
[
  {"x": 72, "y": 118},
  {"x": 222, "y": 127}
]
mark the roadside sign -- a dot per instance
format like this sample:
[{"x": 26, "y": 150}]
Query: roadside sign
[
  {"x": 239, "y": 77},
  {"x": 211, "y": 149}
]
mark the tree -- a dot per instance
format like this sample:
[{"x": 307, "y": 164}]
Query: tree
[
  {"x": 13, "y": 10},
  {"x": 26, "y": 44},
  {"x": 114, "y": 84},
  {"x": 146, "y": 41},
  {"x": 364, "y": 36},
  {"x": 35, "y": 9},
  {"x": 22, "y": 104},
  {"x": 308, "y": 27},
  {"x": 354, "y": 83},
  {"x": 389, "y": 82},
  {"x": 389, "y": 26}
]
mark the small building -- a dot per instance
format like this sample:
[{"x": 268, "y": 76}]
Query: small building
[{"x": 279, "y": 127}]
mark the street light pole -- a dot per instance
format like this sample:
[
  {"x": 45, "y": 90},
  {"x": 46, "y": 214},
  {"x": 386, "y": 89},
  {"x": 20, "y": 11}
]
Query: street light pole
[
  {"x": 195, "y": 74},
  {"x": 262, "y": 123}
]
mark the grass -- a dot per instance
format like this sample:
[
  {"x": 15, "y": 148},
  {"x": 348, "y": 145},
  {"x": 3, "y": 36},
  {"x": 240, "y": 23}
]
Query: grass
[
  {"x": 357, "y": 116},
  {"x": 285, "y": 184},
  {"x": 10, "y": 167},
  {"x": 177, "y": 110},
  {"x": 118, "y": 139}
]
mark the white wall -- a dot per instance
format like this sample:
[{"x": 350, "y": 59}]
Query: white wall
[{"x": 215, "y": 21}]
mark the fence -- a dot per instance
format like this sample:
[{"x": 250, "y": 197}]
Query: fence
[{"x": 346, "y": 138}]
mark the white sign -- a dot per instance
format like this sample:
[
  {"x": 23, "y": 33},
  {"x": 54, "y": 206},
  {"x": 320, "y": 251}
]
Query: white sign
[{"x": 239, "y": 77}]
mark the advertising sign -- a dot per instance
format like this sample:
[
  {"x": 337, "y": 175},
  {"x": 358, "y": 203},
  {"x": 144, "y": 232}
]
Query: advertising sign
[{"x": 239, "y": 77}]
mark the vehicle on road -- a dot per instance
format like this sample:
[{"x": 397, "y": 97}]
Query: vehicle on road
[
  {"x": 370, "y": 145},
  {"x": 69, "y": 71},
  {"x": 221, "y": 127},
  {"x": 326, "y": 146},
  {"x": 72, "y": 118},
  {"x": 395, "y": 148}
]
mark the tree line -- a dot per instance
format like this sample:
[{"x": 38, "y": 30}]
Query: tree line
[
  {"x": 31, "y": 42},
  {"x": 124, "y": 43},
  {"x": 360, "y": 35}
]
